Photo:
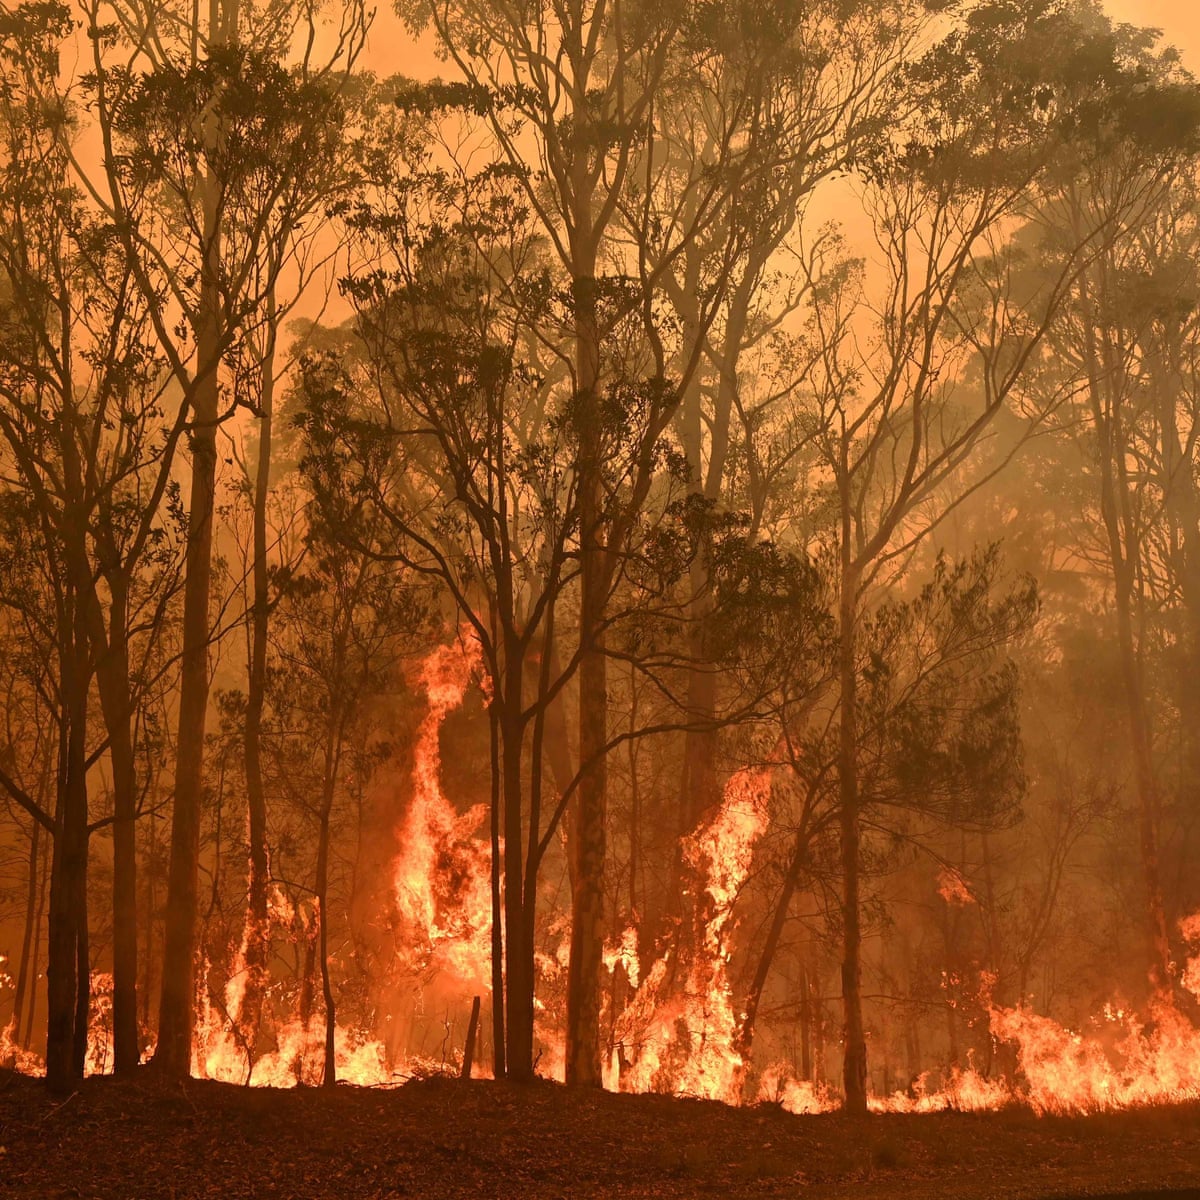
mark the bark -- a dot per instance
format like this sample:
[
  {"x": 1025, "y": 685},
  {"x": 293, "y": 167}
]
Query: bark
[
  {"x": 36, "y": 952},
  {"x": 117, "y": 709},
  {"x": 31, "y": 905},
  {"x": 83, "y": 977},
  {"x": 176, "y": 1005},
  {"x": 499, "y": 1061},
  {"x": 151, "y": 875},
  {"x": 329, "y": 1075},
  {"x": 584, "y": 978},
  {"x": 257, "y": 931},
  {"x": 469, "y": 1045},
  {"x": 67, "y": 942},
  {"x": 806, "y": 1064},
  {"x": 854, "y": 1062},
  {"x": 177, "y": 1001},
  {"x": 518, "y": 946}
]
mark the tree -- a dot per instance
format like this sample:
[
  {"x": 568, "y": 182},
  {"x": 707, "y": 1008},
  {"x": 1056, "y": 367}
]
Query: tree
[
  {"x": 579, "y": 90},
  {"x": 1122, "y": 340},
  {"x": 214, "y": 153},
  {"x": 83, "y": 426},
  {"x": 897, "y": 423}
]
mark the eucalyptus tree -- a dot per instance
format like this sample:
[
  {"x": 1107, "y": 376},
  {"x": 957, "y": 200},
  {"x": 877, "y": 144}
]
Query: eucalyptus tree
[
  {"x": 343, "y": 623},
  {"x": 89, "y": 495},
  {"x": 428, "y": 443},
  {"x": 218, "y": 141},
  {"x": 811, "y": 85},
  {"x": 577, "y": 100},
  {"x": 938, "y": 735},
  {"x": 904, "y": 411},
  {"x": 1125, "y": 341}
]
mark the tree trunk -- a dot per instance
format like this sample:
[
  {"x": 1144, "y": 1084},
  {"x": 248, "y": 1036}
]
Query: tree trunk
[
  {"x": 36, "y": 953},
  {"x": 117, "y": 708},
  {"x": 469, "y": 1045},
  {"x": 806, "y": 1064},
  {"x": 256, "y": 935},
  {"x": 745, "y": 1035},
  {"x": 83, "y": 978},
  {"x": 1106, "y": 395},
  {"x": 698, "y": 791},
  {"x": 329, "y": 1075},
  {"x": 854, "y": 1066},
  {"x": 584, "y": 976},
  {"x": 150, "y": 909},
  {"x": 518, "y": 949},
  {"x": 31, "y": 904},
  {"x": 177, "y": 1001},
  {"x": 67, "y": 945},
  {"x": 499, "y": 1062}
]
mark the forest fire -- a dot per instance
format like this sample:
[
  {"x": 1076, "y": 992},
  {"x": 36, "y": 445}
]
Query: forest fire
[
  {"x": 656, "y": 550},
  {"x": 442, "y": 889},
  {"x": 680, "y": 1039},
  {"x": 677, "y": 1032}
]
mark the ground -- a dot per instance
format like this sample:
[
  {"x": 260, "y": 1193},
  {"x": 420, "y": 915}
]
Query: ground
[{"x": 143, "y": 1140}]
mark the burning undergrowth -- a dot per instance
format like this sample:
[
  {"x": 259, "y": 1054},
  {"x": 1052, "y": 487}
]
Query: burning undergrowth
[{"x": 675, "y": 1021}]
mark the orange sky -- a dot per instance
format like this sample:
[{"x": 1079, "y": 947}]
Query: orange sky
[{"x": 1178, "y": 19}]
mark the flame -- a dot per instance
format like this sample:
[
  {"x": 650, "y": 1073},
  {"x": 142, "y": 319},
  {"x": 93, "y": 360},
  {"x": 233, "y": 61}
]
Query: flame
[
  {"x": 684, "y": 1042},
  {"x": 441, "y": 890},
  {"x": 778, "y": 1085},
  {"x": 442, "y": 875},
  {"x": 952, "y": 887},
  {"x": 678, "y": 1031},
  {"x": 962, "y": 1090},
  {"x": 15, "y": 1057}
]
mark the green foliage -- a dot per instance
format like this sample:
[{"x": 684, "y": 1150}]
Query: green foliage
[
  {"x": 939, "y": 696},
  {"x": 1019, "y": 85}
]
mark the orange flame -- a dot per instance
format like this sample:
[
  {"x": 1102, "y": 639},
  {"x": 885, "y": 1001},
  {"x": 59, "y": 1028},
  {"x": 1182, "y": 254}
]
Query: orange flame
[
  {"x": 952, "y": 887},
  {"x": 684, "y": 1042},
  {"x": 441, "y": 877}
]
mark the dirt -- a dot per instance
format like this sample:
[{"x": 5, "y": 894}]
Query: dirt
[{"x": 144, "y": 1140}]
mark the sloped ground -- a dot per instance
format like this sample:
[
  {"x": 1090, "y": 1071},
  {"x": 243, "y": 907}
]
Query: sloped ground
[{"x": 141, "y": 1140}]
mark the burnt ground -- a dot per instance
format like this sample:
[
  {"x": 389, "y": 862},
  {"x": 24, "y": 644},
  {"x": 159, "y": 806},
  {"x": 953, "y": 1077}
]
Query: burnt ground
[{"x": 142, "y": 1140}]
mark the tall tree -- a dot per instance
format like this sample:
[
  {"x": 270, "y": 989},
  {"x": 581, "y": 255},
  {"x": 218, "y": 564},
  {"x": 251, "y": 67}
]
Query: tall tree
[
  {"x": 213, "y": 147},
  {"x": 900, "y": 432}
]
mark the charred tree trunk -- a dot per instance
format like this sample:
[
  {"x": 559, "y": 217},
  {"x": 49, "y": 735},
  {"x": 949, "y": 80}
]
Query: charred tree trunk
[
  {"x": 854, "y": 1065},
  {"x": 256, "y": 935},
  {"x": 518, "y": 945},
  {"x": 31, "y": 905},
  {"x": 177, "y": 1001},
  {"x": 150, "y": 909},
  {"x": 67, "y": 943},
  {"x": 745, "y": 1035},
  {"x": 329, "y": 1075},
  {"x": 36, "y": 952},
  {"x": 116, "y": 704},
  {"x": 697, "y": 781},
  {"x": 499, "y": 1061},
  {"x": 469, "y": 1046},
  {"x": 806, "y": 1063},
  {"x": 83, "y": 978},
  {"x": 584, "y": 979}
]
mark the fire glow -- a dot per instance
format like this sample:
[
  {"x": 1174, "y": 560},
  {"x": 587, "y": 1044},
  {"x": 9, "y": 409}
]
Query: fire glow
[{"x": 677, "y": 1037}]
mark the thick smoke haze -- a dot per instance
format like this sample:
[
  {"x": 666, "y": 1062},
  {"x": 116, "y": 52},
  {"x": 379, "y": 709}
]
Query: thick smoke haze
[{"x": 649, "y": 545}]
